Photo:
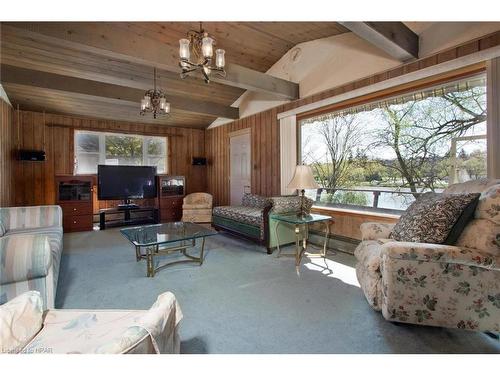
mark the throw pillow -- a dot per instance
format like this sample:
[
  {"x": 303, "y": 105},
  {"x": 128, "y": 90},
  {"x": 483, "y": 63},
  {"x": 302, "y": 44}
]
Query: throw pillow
[
  {"x": 431, "y": 217},
  {"x": 2, "y": 229},
  {"x": 20, "y": 321},
  {"x": 290, "y": 203},
  {"x": 464, "y": 219}
]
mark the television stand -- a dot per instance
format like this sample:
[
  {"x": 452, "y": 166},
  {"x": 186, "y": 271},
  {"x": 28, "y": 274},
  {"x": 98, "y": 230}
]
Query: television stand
[
  {"x": 127, "y": 205},
  {"x": 127, "y": 215},
  {"x": 130, "y": 206}
]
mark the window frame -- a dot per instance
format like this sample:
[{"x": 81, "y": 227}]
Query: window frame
[
  {"x": 102, "y": 148},
  {"x": 387, "y": 95}
]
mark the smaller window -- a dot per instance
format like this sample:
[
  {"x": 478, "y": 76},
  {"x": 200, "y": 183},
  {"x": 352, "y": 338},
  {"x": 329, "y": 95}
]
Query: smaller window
[{"x": 93, "y": 148}]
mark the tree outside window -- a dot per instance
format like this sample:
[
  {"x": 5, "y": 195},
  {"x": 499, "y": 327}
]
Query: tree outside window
[{"x": 93, "y": 148}]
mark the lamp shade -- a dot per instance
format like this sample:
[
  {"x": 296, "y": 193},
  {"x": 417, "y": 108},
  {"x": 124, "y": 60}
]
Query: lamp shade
[{"x": 303, "y": 178}]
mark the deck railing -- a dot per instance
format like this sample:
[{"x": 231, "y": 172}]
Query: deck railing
[{"x": 375, "y": 193}]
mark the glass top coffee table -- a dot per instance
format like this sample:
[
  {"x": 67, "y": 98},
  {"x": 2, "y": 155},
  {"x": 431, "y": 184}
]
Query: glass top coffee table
[{"x": 167, "y": 238}]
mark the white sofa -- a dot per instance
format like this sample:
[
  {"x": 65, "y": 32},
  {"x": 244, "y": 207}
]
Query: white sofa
[
  {"x": 26, "y": 329},
  {"x": 432, "y": 284}
]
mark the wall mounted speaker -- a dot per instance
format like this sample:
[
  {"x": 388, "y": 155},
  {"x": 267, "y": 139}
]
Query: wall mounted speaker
[
  {"x": 32, "y": 155},
  {"x": 199, "y": 161}
]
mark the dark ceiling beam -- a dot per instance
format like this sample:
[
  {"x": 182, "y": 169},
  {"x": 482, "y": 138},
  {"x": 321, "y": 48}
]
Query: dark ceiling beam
[
  {"x": 28, "y": 77},
  {"x": 104, "y": 39},
  {"x": 395, "y": 38}
]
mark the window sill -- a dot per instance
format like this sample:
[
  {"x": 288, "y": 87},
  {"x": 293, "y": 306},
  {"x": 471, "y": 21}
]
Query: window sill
[{"x": 353, "y": 212}]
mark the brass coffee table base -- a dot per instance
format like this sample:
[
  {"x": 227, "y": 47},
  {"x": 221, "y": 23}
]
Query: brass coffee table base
[{"x": 156, "y": 250}]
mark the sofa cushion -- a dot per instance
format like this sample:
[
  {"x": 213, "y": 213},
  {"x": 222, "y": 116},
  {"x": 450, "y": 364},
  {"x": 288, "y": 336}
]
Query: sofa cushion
[
  {"x": 290, "y": 203},
  {"x": 431, "y": 217},
  {"x": 24, "y": 257},
  {"x": 472, "y": 186},
  {"x": 31, "y": 217},
  {"x": 2, "y": 229},
  {"x": 489, "y": 205},
  {"x": 20, "y": 321},
  {"x": 481, "y": 234},
  {"x": 253, "y": 200},
  {"x": 243, "y": 214}
]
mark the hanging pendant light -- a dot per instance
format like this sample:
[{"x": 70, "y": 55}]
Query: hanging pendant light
[
  {"x": 200, "y": 45},
  {"x": 155, "y": 101}
]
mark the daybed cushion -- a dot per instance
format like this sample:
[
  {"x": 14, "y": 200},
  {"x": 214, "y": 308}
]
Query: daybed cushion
[
  {"x": 20, "y": 321},
  {"x": 243, "y": 214}
]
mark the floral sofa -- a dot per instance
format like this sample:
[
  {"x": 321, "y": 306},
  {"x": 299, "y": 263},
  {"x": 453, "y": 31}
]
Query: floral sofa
[
  {"x": 440, "y": 285},
  {"x": 30, "y": 251},
  {"x": 26, "y": 329},
  {"x": 252, "y": 219}
]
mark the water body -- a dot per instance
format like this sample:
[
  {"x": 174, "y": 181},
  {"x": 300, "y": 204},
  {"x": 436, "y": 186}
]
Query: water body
[{"x": 394, "y": 200}]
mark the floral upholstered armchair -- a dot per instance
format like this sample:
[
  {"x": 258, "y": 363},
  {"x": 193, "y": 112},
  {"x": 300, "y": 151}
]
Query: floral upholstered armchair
[
  {"x": 433, "y": 284},
  {"x": 197, "y": 208}
]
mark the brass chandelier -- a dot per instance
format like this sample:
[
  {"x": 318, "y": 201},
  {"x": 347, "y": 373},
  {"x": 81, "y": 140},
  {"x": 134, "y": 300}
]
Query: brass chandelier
[
  {"x": 200, "y": 45},
  {"x": 155, "y": 101}
]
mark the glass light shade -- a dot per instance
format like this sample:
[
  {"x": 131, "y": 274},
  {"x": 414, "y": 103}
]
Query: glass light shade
[
  {"x": 207, "y": 47},
  {"x": 166, "y": 109},
  {"x": 147, "y": 101},
  {"x": 303, "y": 178},
  {"x": 184, "y": 52},
  {"x": 143, "y": 104},
  {"x": 220, "y": 61},
  {"x": 164, "y": 105}
]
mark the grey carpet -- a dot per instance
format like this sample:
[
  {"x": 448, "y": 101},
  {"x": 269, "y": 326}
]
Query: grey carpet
[{"x": 244, "y": 301}]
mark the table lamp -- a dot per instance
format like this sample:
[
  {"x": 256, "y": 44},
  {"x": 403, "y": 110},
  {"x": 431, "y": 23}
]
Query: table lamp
[{"x": 303, "y": 179}]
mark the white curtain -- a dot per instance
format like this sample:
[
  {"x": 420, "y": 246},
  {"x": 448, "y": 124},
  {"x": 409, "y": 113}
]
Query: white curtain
[{"x": 288, "y": 151}]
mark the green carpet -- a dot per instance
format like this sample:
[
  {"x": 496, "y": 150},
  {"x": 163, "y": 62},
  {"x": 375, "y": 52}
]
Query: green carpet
[{"x": 244, "y": 301}]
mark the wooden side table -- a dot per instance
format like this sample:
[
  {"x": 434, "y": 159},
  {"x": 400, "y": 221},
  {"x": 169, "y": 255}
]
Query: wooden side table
[{"x": 301, "y": 223}]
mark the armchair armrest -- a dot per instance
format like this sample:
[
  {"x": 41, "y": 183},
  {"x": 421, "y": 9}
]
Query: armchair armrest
[
  {"x": 159, "y": 323},
  {"x": 375, "y": 231},
  {"x": 24, "y": 257},
  {"x": 426, "y": 252},
  {"x": 31, "y": 217}
]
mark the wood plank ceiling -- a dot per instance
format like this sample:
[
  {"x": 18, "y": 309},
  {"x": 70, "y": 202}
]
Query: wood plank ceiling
[{"x": 252, "y": 45}]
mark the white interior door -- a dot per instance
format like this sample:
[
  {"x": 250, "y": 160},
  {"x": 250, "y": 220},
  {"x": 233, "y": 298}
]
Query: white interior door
[{"x": 240, "y": 160}]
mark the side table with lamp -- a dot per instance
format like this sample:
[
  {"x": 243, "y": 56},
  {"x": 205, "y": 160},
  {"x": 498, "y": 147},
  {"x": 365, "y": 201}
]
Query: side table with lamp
[{"x": 302, "y": 179}]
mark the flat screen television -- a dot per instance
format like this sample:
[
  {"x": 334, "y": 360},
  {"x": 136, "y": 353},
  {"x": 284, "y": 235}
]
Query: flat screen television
[{"x": 125, "y": 182}]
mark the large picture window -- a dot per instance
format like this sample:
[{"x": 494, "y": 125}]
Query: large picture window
[
  {"x": 93, "y": 148},
  {"x": 384, "y": 154}
]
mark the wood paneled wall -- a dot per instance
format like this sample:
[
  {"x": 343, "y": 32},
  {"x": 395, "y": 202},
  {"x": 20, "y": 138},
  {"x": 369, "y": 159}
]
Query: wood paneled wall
[
  {"x": 264, "y": 128},
  {"x": 34, "y": 181},
  {"x": 6, "y": 155}
]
